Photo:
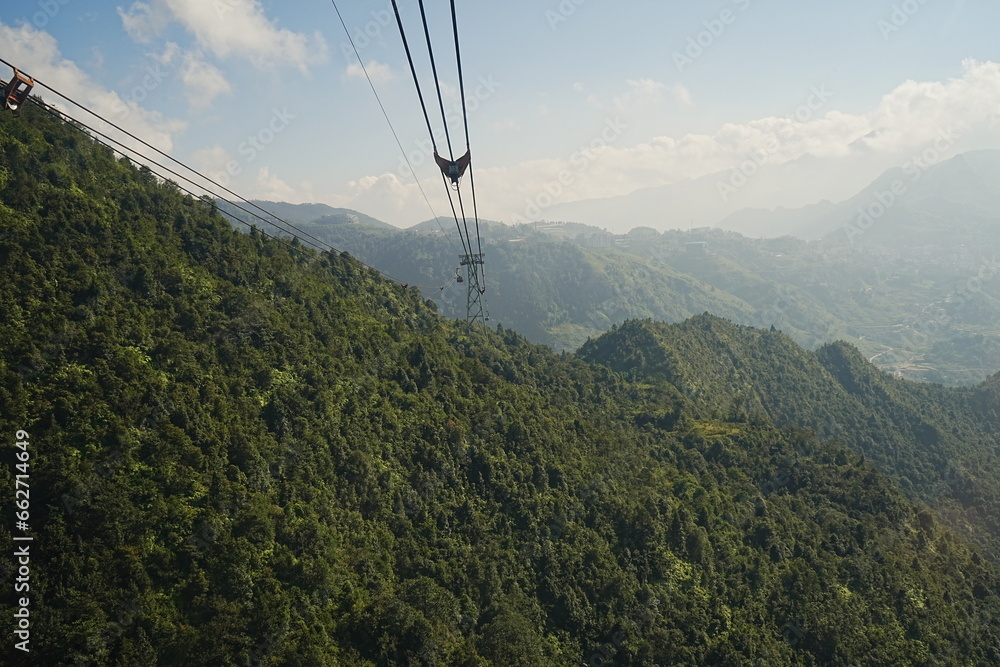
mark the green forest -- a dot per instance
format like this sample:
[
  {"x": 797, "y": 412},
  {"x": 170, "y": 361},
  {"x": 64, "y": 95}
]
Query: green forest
[
  {"x": 244, "y": 453},
  {"x": 926, "y": 312}
]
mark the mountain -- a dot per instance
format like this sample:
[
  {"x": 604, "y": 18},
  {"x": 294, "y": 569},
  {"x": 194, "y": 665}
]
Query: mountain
[
  {"x": 938, "y": 200},
  {"x": 909, "y": 206},
  {"x": 928, "y": 313},
  {"x": 243, "y": 452},
  {"x": 552, "y": 291},
  {"x": 709, "y": 200},
  {"x": 447, "y": 226},
  {"x": 314, "y": 217},
  {"x": 932, "y": 439}
]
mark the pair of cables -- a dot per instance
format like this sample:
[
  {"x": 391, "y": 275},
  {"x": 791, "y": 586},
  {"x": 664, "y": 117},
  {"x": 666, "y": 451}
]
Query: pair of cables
[
  {"x": 451, "y": 169},
  {"x": 213, "y": 188}
]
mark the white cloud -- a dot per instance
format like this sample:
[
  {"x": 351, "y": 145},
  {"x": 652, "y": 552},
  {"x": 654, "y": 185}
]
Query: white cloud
[
  {"x": 379, "y": 72},
  {"x": 682, "y": 94},
  {"x": 97, "y": 58},
  {"x": 387, "y": 198},
  {"x": 506, "y": 125},
  {"x": 905, "y": 121},
  {"x": 212, "y": 161},
  {"x": 272, "y": 188},
  {"x": 38, "y": 54},
  {"x": 645, "y": 87},
  {"x": 227, "y": 28},
  {"x": 145, "y": 22},
  {"x": 642, "y": 94},
  {"x": 915, "y": 112},
  {"x": 170, "y": 53},
  {"x": 203, "y": 82}
]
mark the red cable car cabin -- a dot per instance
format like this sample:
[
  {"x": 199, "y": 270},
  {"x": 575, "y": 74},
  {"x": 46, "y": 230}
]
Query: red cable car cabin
[{"x": 17, "y": 90}]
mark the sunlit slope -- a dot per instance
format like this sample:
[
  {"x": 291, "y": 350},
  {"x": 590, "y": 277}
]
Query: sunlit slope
[
  {"x": 933, "y": 439},
  {"x": 243, "y": 453}
]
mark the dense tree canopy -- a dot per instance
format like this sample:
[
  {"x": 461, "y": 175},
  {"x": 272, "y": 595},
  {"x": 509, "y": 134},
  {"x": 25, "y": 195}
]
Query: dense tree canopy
[{"x": 246, "y": 453}]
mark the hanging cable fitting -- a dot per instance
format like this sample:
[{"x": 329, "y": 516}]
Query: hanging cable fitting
[{"x": 454, "y": 170}]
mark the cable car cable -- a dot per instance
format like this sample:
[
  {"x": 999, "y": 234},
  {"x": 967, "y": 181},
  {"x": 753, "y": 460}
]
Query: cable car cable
[
  {"x": 437, "y": 81},
  {"x": 413, "y": 70},
  {"x": 465, "y": 117},
  {"x": 173, "y": 159},
  {"x": 399, "y": 143},
  {"x": 466, "y": 242},
  {"x": 182, "y": 164},
  {"x": 81, "y": 126}
]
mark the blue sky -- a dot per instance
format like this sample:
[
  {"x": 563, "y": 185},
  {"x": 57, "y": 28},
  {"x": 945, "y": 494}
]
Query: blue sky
[{"x": 628, "y": 81}]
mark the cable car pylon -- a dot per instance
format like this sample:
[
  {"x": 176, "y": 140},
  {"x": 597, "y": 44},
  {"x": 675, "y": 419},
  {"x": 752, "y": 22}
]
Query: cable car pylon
[
  {"x": 474, "y": 310},
  {"x": 452, "y": 169}
]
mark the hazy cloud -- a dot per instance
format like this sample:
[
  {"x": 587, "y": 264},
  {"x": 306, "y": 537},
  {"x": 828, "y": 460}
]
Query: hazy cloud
[
  {"x": 387, "y": 198},
  {"x": 506, "y": 125},
  {"x": 379, "y": 72},
  {"x": 227, "y": 28},
  {"x": 917, "y": 111},
  {"x": 905, "y": 119},
  {"x": 211, "y": 160},
  {"x": 272, "y": 188},
  {"x": 682, "y": 94},
  {"x": 144, "y": 22},
  {"x": 38, "y": 54},
  {"x": 203, "y": 82}
]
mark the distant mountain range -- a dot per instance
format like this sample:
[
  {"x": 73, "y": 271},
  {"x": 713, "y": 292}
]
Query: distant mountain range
[
  {"x": 958, "y": 199},
  {"x": 910, "y": 201},
  {"x": 906, "y": 269},
  {"x": 310, "y": 215},
  {"x": 242, "y": 453}
]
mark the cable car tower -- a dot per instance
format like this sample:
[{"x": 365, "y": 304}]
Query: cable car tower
[
  {"x": 474, "y": 300},
  {"x": 453, "y": 168}
]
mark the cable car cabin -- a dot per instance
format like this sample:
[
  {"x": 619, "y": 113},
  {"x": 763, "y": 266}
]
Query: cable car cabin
[{"x": 17, "y": 90}]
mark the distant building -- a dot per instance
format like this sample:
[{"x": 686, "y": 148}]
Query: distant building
[
  {"x": 696, "y": 246},
  {"x": 552, "y": 228},
  {"x": 596, "y": 240}
]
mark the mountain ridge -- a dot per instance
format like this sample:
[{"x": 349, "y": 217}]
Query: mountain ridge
[
  {"x": 913, "y": 432},
  {"x": 246, "y": 452},
  {"x": 808, "y": 217}
]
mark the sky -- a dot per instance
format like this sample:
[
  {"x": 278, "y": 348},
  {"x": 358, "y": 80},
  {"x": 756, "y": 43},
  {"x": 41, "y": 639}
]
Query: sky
[{"x": 568, "y": 100}]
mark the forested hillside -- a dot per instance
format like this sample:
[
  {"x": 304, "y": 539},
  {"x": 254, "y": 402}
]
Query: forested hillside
[
  {"x": 937, "y": 442},
  {"x": 553, "y": 292},
  {"x": 246, "y": 453},
  {"x": 924, "y": 312}
]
